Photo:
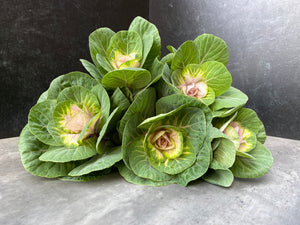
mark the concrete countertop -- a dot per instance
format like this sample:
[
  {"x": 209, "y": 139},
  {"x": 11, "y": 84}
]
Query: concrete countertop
[{"x": 272, "y": 199}]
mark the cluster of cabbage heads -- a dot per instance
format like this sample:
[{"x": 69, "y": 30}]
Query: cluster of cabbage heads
[{"x": 157, "y": 120}]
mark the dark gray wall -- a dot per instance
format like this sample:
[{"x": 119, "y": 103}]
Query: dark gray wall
[
  {"x": 264, "y": 48},
  {"x": 40, "y": 40}
]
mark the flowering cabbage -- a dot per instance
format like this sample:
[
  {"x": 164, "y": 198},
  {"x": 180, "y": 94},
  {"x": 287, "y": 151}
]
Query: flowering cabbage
[{"x": 158, "y": 121}]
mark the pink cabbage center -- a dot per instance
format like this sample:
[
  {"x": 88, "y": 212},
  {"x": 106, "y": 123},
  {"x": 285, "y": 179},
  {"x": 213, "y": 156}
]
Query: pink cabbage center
[
  {"x": 77, "y": 119},
  {"x": 196, "y": 90}
]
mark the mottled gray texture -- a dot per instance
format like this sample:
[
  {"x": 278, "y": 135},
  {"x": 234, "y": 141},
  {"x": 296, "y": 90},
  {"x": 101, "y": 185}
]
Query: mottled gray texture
[
  {"x": 264, "y": 50},
  {"x": 40, "y": 40},
  {"x": 270, "y": 200}
]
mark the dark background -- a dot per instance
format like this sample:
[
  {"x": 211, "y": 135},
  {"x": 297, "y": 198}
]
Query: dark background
[
  {"x": 263, "y": 38},
  {"x": 40, "y": 40}
]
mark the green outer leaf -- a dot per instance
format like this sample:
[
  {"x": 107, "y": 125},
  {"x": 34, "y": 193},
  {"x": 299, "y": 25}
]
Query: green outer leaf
[
  {"x": 218, "y": 175},
  {"x": 229, "y": 99},
  {"x": 140, "y": 164},
  {"x": 105, "y": 127},
  {"x": 38, "y": 119},
  {"x": 199, "y": 167},
  {"x": 132, "y": 178},
  {"x": 143, "y": 103},
  {"x": 134, "y": 78},
  {"x": 80, "y": 95},
  {"x": 168, "y": 103},
  {"x": 104, "y": 63},
  {"x": 222, "y": 113},
  {"x": 171, "y": 49},
  {"x": 225, "y": 153},
  {"x": 248, "y": 118},
  {"x": 186, "y": 54},
  {"x": 222, "y": 123},
  {"x": 223, "y": 178},
  {"x": 118, "y": 99},
  {"x": 56, "y": 132},
  {"x": 211, "y": 48},
  {"x": 31, "y": 149},
  {"x": 253, "y": 168},
  {"x": 145, "y": 28},
  {"x": 165, "y": 88},
  {"x": 104, "y": 101},
  {"x": 147, "y": 44},
  {"x": 69, "y": 80},
  {"x": 167, "y": 59},
  {"x": 70, "y": 153},
  {"x": 216, "y": 76},
  {"x": 167, "y": 74},
  {"x": 43, "y": 97},
  {"x": 87, "y": 177},
  {"x": 215, "y": 144},
  {"x": 216, "y": 133},
  {"x": 261, "y": 134},
  {"x": 130, "y": 134},
  {"x": 98, "y": 162},
  {"x": 98, "y": 44},
  {"x": 156, "y": 70},
  {"x": 149, "y": 121},
  {"x": 244, "y": 154},
  {"x": 92, "y": 69}
]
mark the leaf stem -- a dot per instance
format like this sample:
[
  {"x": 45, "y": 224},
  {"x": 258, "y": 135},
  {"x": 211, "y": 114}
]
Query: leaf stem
[{"x": 128, "y": 94}]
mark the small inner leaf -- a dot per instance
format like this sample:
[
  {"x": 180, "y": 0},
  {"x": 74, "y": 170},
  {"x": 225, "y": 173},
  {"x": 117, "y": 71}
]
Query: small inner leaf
[
  {"x": 125, "y": 46},
  {"x": 247, "y": 139},
  {"x": 167, "y": 141}
]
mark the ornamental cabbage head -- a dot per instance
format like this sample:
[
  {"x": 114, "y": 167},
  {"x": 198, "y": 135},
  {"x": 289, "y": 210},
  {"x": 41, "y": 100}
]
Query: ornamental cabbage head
[
  {"x": 238, "y": 148},
  {"x": 198, "y": 69},
  {"x": 188, "y": 125},
  {"x": 172, "y": 147},
  {"x": 124, "y": 59},
  {"x": 65, "y": 129}
]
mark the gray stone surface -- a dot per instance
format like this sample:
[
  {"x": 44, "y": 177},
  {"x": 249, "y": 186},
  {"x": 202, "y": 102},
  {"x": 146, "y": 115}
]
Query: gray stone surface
[{"x": 272, "y": 199}]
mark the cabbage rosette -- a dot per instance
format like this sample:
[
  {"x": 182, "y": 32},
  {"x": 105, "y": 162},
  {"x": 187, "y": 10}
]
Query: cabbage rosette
[
  {"x": 198, "y": 69},
  {"x": 124, "y": 59},
  {"x": 172, "y": 147},
  {"x": 159, "y": 121},
  {"x": 65, "y": 129},
  {"x": 238, "y": 149}
]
